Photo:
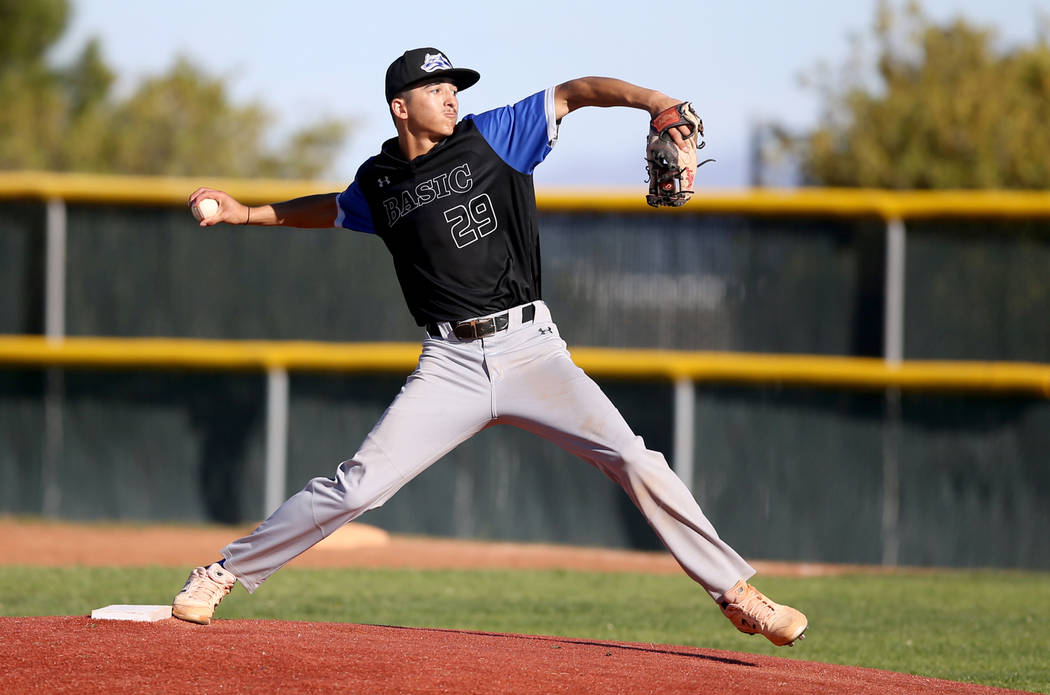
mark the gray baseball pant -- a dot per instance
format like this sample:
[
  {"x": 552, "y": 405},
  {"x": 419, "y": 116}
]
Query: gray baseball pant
[{"x": 522, "y": 376}]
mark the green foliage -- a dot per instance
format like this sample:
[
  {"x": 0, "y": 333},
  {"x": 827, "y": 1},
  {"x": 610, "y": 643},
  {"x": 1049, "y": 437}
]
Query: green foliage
[
  {"x": 29, "y": 29},
  {"x": 949, "y": 108},
  {"x": 981, "y": 627},
  {"x": 181, "y": 123}
]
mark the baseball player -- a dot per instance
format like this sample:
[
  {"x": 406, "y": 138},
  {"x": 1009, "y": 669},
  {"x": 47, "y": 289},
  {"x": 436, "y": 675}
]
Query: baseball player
[{"x": 453, "y": 201}]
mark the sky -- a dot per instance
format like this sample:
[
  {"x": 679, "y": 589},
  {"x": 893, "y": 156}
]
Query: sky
[{"x": 740, "y": 62}]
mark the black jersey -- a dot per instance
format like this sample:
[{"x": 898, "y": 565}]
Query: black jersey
[{"x": 460, "y": 220}]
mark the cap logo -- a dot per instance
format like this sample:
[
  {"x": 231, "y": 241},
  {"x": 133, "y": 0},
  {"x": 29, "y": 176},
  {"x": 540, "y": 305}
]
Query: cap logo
[{"x": 435, "y": 62}]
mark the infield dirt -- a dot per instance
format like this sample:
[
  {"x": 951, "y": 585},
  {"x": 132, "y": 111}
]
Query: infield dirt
[{"x": 56, "y": 544}]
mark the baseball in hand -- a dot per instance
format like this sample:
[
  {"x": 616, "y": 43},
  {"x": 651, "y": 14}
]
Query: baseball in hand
[{"x": 205, "y": 208}]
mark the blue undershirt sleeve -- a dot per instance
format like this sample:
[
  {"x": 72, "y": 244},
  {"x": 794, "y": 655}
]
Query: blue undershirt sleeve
[
  {"x": 353, "y": 210},
  {"x": 521, "y": 134}
]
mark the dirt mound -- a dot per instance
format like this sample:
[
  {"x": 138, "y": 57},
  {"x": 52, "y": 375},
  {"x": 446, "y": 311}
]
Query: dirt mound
[{"x": 77, "y": 654}]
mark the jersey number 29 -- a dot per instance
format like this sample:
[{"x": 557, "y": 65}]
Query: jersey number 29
[{"x": 472, "y": 221}]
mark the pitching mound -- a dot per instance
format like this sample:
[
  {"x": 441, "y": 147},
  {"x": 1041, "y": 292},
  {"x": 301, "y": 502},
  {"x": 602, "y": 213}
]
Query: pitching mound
[{"x": 77, "y": 654}]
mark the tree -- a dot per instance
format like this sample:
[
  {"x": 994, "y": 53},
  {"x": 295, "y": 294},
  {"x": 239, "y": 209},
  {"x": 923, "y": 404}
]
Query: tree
[
  {"x": 30, "y": 28},
  {"x": 179, "y": 123},
  {"x": 947, "y": 109}
]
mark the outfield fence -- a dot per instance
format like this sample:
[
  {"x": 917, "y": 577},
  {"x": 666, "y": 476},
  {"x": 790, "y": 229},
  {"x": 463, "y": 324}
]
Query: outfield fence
[{"x": 886, "y": 369}]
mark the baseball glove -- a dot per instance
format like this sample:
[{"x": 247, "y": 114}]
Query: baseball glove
[{"x": 672, "y": 170}]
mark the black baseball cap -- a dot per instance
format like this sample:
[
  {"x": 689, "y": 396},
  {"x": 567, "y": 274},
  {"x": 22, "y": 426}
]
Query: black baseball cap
[{"x": 421, "y": 64}]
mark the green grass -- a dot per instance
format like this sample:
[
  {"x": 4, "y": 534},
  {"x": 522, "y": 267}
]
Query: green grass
[{"x": 980, "y": 627}]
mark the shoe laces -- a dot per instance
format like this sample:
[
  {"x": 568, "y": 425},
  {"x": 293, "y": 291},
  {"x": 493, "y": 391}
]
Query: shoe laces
[
  {"x": 754, "y": 606},
  {"x": 202, "y": 587}
]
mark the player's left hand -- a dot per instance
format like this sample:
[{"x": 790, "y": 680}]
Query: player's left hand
[
  {"x": 679, "y": 134},
  {"x": 671, "y": 155}
]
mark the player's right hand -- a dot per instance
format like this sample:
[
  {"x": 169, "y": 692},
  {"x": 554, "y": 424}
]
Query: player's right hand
[{"x": 230, "y": 211}]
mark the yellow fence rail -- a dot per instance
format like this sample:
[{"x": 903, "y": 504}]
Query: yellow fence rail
[
  {"x": 155, "y": 190},
  {"x": 827, "y": 371}
]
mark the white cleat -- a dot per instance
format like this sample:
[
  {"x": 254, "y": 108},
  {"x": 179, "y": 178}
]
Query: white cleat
[
  {"x": 754, "y": 614},
  {"x": 204, "y": 589}
]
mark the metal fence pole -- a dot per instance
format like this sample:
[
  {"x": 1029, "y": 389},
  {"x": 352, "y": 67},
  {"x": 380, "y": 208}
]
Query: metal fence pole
[
  {"x": 276, "y": 439},
  {"x": 55, "y": 271},
  {"x": 54, "y": 377},
  {"x": 893, "y": 353},
  {"x": 684, "y": 433},
  {"x": 893, "y": 320}
]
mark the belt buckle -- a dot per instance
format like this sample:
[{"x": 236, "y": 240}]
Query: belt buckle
[
  {"x": 479, "y": 328},
  {"x": 484, "y": 327},
  {"x": 471, "y": 330}
]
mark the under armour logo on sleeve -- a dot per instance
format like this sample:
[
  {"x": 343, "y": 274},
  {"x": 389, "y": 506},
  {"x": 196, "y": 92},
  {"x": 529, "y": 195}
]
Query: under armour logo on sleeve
[{"x": 383, "y": 181}]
